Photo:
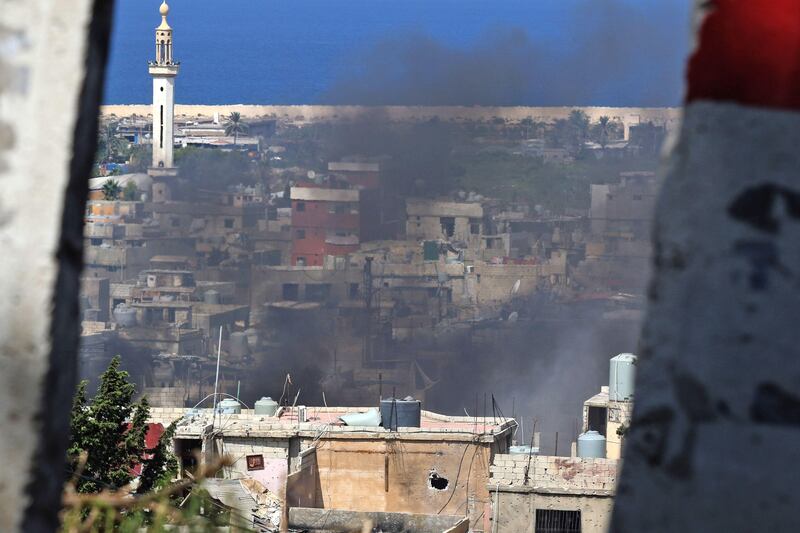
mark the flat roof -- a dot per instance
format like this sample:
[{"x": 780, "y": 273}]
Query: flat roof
[
  {"x": 325, "y": 421},
  {"x": 312, "y": 194},
  {"x": 437, "y": 208},
  {"x": 353, "y": 166}
]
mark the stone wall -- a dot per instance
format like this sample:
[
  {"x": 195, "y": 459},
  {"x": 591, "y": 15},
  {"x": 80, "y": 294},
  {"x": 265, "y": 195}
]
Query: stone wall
[{"x": 556, "y": 483}]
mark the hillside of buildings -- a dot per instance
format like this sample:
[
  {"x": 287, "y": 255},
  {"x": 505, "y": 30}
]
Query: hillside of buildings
[{"x": 348, "y": 260}]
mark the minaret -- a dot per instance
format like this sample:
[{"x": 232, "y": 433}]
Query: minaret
[{"x": 163, "y": 70}]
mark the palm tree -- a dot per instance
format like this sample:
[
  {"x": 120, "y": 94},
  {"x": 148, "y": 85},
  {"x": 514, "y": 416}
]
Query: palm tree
[
  {"x": 111, "y": 190},
  {"x": 234, "y": 126},
  {"x": 603, "y": 125}
]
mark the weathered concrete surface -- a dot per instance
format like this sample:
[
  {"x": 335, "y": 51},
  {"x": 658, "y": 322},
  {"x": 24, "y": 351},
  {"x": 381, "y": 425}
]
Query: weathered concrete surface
[
  {"x": 715, "y": 430},
  {"x": 51, "y": 71},
  {"x": 337, "y": 520}
]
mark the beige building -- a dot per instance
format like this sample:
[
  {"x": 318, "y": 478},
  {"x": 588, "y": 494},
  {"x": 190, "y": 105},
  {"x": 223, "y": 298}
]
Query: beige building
[{"x": 309, "y": 459}]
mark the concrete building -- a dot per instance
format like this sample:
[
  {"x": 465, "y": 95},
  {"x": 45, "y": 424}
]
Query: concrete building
[
  {"x": 543, "y": 494},
  {"x": 445, "y": 221},
  {"x": 310, "y": 459},
  {"x": 325, "y": 222}
]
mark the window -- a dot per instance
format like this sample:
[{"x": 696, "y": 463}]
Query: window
[
  {"x": 301, "y": 206},
  {"x": 301, "y": 261},
  {"x": 596, "y": 419},
  {"x": 96, "y": 242},
  {"x": 291, "y": 290},
  {"x": 554, "y": 521},
  {"x": 229, "y": 223},
  {"x": 300, "y": 234},
  {"x": 448, "y": 225},
  {"x": 475, "y": 226},
  {"x": 637, "y": 196},
  {"x": 353, "y": 291}
]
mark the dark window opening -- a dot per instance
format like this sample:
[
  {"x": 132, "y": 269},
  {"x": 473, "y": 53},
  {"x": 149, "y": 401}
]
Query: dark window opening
[
  {"x": 301, "y": 234},
  {"x": 96, "y": 242},
  {"x": 596, "y": 419},
  {"x": 291, "y": 291},
  {"x": 228, "y": 223},
  {"x": 301, "y": 206},
  {"x": 188, "y": 452},
  {"x": 555, "y": 521},
  {"x": 448, "y": 225},
  {"x": 637, "y": 196},
  {"x": 353, "y": 291},
  {"x": 437, "y": 482},
  {"x": 301, "y": 261},
  {"x": 161, "y": 126},
  {"x": 475, "y": 227}
]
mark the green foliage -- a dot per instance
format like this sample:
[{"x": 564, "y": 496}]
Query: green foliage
[
  {"x": 214, "y": 169},
  {"x": 570, "y": 133},
  {"x": 555, "y": 186},
  {"x": 99, "y": 428},
  {"x": 140, "y": 157},
  {"x": 130, "y": 192},
  {"x": 162, "y": 466},
  {"x": 234, "y": 126},
  {"x": 111, "y": 189}
]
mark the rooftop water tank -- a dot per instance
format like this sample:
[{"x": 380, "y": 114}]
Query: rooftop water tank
[
  {"x": 211, "y": 296},
  {"x": 266, "y": 406},
  {"x": 405, "y": 413},
  {"x": 238, "y": 344},
  {"x": 371, "y": 418},
  {"x": 591, "y": 445},
  {"x": 125, "y": 316},
  {"x": 229, "y": 406},
  {"x": 622, "y": 375}
]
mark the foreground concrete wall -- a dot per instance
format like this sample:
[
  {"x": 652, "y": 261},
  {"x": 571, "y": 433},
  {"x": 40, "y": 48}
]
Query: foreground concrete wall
[
  {"x": 52, "y": 62},
  {"x": 715, "y": 435}
]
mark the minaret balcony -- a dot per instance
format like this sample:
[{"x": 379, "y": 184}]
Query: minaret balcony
[{"x": 158, "y": 69}]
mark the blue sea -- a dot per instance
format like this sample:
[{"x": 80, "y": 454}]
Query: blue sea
[{"x": 486, "y": 52}]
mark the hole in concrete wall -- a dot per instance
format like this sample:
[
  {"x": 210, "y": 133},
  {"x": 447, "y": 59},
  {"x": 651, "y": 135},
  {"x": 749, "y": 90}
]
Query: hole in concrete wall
[{"x": 437, "y": 482}]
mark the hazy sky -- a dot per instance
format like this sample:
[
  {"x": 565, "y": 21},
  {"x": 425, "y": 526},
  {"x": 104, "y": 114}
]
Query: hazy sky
[{"x": 615, "y": 52}]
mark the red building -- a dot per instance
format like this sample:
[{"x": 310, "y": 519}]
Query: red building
[
  {"x": 324, "y": 222},
  {"x": 360, "y": 175}
]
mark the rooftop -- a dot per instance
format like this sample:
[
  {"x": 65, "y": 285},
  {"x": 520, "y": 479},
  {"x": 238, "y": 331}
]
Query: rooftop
[{"x": 325, "y": 421}]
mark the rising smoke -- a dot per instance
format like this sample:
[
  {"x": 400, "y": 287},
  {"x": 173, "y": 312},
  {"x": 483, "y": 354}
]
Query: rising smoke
[
  {"x": 546, "y": 364},
  {"x": 619, "y": 51}
]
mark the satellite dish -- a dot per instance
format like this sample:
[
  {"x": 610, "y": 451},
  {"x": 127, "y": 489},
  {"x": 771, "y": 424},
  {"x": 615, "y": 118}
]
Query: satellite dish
[
  {"x": 515, "y": 288},
  {"x": 513, "y": 317},
  {"x": 311, "y": 174}
]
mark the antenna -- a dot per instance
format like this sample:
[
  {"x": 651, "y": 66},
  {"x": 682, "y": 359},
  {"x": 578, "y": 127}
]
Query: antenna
[{"x": 216, "y": 380}]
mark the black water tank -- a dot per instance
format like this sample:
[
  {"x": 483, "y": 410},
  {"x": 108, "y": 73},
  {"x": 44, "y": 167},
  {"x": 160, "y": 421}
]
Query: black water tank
[{"x": 405, "y": 413}]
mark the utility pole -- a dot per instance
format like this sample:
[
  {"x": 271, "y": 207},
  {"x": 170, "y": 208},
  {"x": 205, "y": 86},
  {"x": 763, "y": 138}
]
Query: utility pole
[{"x": 368, "y": 296}]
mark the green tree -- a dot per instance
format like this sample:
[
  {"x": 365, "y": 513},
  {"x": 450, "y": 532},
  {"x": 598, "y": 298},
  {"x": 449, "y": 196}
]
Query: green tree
[
  {"x": 111, "y": 189},
  {"x": 570, "y": 133},
  {"x": 113, "y": 147},
  {"x": 139, "y": 157},
  {"x": 603, "y": 131},
  {"x": 162, "y": 466},
  {"x": 130, "y": 192},
  {"x": 109, "y": 429},
  {"x": 234, "y": 126}
]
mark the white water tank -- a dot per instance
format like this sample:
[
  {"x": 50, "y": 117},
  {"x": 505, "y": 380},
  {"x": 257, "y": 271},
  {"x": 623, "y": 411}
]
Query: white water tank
[
  {"x": 125, "y": 316},
  {"x": 621, "y": 378},
  {"x": 591, "y": 445}
]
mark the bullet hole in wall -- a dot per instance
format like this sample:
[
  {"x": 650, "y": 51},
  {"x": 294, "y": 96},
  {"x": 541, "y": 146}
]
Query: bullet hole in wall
[{"x": 437, "y": 482}]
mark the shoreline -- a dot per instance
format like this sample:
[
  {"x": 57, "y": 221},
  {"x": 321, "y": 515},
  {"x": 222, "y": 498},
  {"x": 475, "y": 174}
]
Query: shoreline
[{"x": 668, "y": 116}]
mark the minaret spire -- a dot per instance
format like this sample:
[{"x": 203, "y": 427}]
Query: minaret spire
[{"x": 163, "y": 70}]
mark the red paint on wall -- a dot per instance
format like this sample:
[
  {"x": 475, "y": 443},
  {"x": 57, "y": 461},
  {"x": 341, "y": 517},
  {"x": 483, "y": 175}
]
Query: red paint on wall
[{"x": 749, "y": 52}]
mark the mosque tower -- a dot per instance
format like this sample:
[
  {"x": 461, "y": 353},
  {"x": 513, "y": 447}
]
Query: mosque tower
[{"x": 163, "y": 70}]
